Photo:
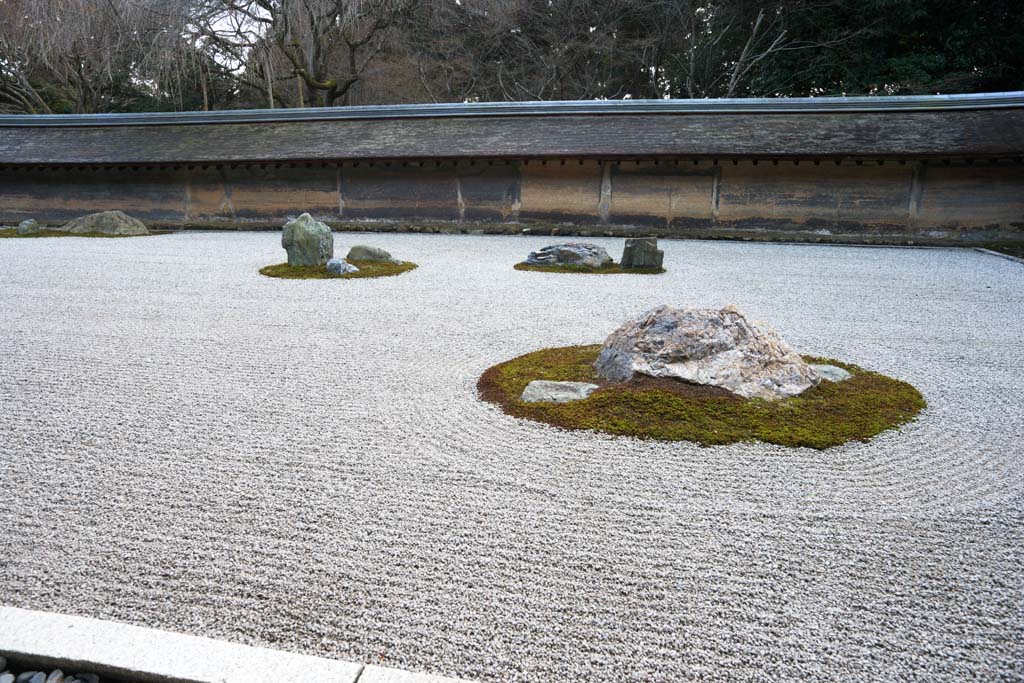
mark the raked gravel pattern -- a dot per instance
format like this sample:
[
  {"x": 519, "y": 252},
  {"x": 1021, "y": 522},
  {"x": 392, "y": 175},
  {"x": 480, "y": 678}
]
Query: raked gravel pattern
[{"x": 305, "y": 464}]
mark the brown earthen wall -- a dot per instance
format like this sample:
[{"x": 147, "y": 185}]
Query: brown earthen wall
[{"x": 872, "y": 201}]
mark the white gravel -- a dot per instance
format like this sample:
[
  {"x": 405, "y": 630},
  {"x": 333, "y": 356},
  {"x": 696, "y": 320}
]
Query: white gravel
[{"x": 304, "y": 465}]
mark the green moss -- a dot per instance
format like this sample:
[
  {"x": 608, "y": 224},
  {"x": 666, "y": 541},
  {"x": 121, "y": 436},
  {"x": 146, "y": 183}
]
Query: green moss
[
  {"x": 366, "y": 269},
  {"x": 830, "y": 414},
  {"x": 13, "y": 234},
  {"x": 610, "y": 269}
]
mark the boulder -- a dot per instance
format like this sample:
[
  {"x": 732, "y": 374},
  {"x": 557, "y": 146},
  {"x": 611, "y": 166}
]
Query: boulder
[
  {"x": 339, "y": 266},
  {"x": 106, "y": 223},
  {"x": 29, "y": 227},
  {"x": 570, "y": 254},
  {"x": 307, "y": 241},
  {"x": 642, "y": 252},
  {"x": 832, "y": 373},
  {"x": 545, "y": 391},
  {"x": 705, "y": 346},
  {"x": 361, "y": 252}
]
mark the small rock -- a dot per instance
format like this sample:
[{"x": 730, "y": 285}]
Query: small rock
[
  {"x": 832, "y": 373},
  {"x": 570, "y": 254},
  {"x": 107, "y": 223},
  {"x": 6, "y": 677},
  {"x": 307, "y": 241},
  {"x": 642, "y": 252},
  {"x": 31, "y": 677},
  {"x": 361, "y": 252},
  {"x": 339, "y": 266},
  {"x": 56, "y": 676},
  {"x": 545, "y": 391},
  {"x": 28, "y": 227},
  {"x": 705, "y": 346}
]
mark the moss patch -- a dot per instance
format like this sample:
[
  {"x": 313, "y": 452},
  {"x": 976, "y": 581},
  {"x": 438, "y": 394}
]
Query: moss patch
[
  {"x": 13, "y": 234},
  {"x": 610, "y": 269},
  {"x": 366, "y": 269},
  {"x": 829, "y": 414}
]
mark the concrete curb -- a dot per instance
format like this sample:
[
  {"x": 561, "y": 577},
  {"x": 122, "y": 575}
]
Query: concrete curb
[
  {"x": 996, "y": 253},
  {"x": 150, "y": 655}
]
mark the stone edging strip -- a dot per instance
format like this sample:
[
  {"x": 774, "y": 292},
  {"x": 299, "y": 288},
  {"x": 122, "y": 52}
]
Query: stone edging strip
[
  {"x": 1000, "y": 255},
  {"x": 148, "y": 655}
]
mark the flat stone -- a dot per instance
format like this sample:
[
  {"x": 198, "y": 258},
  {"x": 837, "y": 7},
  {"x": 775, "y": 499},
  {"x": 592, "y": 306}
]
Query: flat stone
[
  {"x": 570, "y": 254},
  {"x": 704, "y": 346},
  {"x": 307, "y": 241},
  {"x": 28, "y": 227},
  {"x": 107, "y": 223},
  {"x": 339, "y": 266},
  {"x": 831, "y": 373},
  {"x": 642, "y": 252},
  {"x": 362, "y": 252},
  {"x": 546, "y": 391}
]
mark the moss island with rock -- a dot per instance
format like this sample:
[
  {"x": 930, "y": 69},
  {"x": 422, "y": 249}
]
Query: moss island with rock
[
  {"x": 320, "y": 272},
  {"x": 641, "y": 256},
  {"x": 710, "y": 377},
  {"x": 310, "y": 247},
  {"x": 103, "y": 224}
]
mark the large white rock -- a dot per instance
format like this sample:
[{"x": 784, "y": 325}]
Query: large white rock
[
  {"x": 705, "y": 346},
  {"x": 307, "y": 241},
  {"x": 570, "y": 254},
  {"x": 546, "y": 391}
]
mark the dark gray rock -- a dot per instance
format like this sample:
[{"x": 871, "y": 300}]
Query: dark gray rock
[
  {"x": 339, "y": 266},
  {"x": 88, "y": 678},
  {"x": 107, "y": 223},
  {"x": 642, "y": 252},
  {"x": 307, "y": 241},
  {"x": 570, "y": 254},
  {"x": 31, "y": 677},
  {"x": 361, "y": 252},
  {"x": 28, "y": 227}
]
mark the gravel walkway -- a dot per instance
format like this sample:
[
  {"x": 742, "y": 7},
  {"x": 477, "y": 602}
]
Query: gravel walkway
[{"x": 187, "y": 445}]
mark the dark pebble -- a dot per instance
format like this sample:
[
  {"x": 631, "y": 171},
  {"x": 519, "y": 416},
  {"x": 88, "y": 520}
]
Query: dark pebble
[
  {"x": 88, "y": 678},
  {"x": 30, "y": 677}
]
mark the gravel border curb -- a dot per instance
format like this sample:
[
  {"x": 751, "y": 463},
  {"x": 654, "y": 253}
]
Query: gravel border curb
[
  {"x": 1000, "y": 255},
  {"x": 150, "y": 655}
]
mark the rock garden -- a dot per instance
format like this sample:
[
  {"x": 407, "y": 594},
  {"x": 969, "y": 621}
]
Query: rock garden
[
  {"x": 103, "y": 224},
  {"x": 310, "y": 248},
  {"x": 702, "y": 375},
  {"x": 640, "y": 256}
]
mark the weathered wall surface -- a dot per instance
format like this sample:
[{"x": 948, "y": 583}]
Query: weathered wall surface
[{"x": 871, "y": 201}]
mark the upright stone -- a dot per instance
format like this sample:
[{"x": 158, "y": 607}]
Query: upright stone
[
  {"x": 29, "y": 227},
  {"x": 642, "y": 252},
  {"x": 106, "y": 223},
  {"x": 307, "y": 241}
]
